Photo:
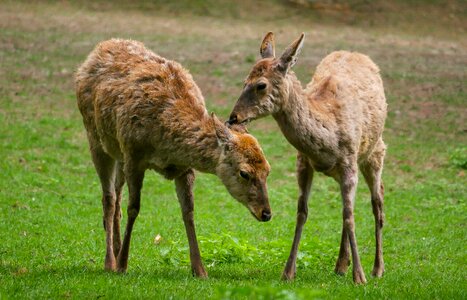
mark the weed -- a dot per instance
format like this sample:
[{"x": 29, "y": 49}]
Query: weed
[{"x": 458, "y": 157}]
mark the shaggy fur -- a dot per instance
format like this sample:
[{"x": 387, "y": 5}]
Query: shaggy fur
[
  {"x": 335, "y": 123},
  {"x": 142, "y": 111}
]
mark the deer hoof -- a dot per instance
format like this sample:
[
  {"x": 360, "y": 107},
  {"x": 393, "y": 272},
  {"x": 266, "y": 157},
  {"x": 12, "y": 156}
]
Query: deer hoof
[
  {"x": 341, "y": 268},
  {"x": 359, "y": 278},
  {"x": 121, "y": 269},
  {"x": 110, "y": 263},
  {"x": 110, "y": 268},
  {"x": 289, "y": 274},
  {"x": 287, "y": 277},
  {"x": 377, "y": 272},
  {"x": 199, "y": 272}
]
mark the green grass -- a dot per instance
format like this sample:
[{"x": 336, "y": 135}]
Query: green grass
[{"x": 52, "y": 237}]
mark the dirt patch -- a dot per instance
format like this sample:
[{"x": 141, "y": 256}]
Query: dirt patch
[{"x": 42, "y": 44}]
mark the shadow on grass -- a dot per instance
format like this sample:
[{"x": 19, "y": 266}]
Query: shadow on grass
[
  {"x": 230, "y": 272},
  {"x": 225, "y": 280}
]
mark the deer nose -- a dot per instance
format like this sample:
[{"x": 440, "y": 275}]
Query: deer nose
[
  {"x": 233, "y": 119},
  {"x": 266, "y": 215}
]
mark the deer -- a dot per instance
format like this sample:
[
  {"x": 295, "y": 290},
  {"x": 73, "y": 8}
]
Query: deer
[
  {"x": 142, "y": 111},
  {"x": 336, "y": 125}
]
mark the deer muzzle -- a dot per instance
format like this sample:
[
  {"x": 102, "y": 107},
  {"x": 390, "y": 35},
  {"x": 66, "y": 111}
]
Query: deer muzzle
[{"x": 262, "y": 211}]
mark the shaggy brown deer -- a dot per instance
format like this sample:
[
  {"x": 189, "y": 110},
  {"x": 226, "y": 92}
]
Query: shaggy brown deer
[
  {"x": 336, "y": 124},
  {"x": 142, "y": 111}
]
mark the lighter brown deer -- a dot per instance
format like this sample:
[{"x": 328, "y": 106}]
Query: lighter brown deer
[
  {"x": 142, "y": 111},
  {"x": 336, "y": 124}
]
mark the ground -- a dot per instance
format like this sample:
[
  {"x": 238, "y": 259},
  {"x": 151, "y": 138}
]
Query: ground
[{"x": 52, "y": 236}]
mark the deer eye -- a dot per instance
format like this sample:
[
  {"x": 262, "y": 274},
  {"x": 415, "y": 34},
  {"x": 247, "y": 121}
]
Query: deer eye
[
  {"x": 261, "y": 86},
  {"x": 244, "y": 175}
]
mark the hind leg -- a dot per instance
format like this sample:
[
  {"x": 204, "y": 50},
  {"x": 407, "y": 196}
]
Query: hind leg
[
  {"x": 348, "y": 183},
  {"x": 105, "y": 167},
  {"x": 119, "y": 182},
  {"x": 372, "y": 170}
]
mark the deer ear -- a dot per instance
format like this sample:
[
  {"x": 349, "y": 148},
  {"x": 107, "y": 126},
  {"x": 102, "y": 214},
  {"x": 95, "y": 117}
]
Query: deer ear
[
  {"x": 290, "y": 55},
  {"x": 267, "y": 46},
  {"x": 223, "y": 133}
]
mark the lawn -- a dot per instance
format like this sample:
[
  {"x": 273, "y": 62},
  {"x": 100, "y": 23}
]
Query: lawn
[{"x": 52, "y": 237}]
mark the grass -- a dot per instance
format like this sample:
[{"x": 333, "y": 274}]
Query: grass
[{"x": 52, "y": 237}]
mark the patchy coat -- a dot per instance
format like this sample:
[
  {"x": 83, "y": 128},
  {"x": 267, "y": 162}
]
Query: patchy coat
[
  {"x": 335, "y": 123},
  {"x": 142, "y": 111}
]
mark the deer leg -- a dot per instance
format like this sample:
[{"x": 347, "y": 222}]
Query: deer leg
[
  {"x": 305, "y": 178},
  {"x": 377, "y": 200},
  {"x": 184, "y": 186},
  {"x": 372, "y": 172},
  {"x": 134, "y": 176},
  {"x": 119, "y": 182},
  {"x": 343, "y": 261},
  {"x": 348, "y": 183},
  {"x": 105, "y": 167}
]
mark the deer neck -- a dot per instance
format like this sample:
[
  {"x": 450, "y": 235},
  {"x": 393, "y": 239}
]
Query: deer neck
[
  {"x": 205, "y": 149},
  {"x": 301, "y": 122}
]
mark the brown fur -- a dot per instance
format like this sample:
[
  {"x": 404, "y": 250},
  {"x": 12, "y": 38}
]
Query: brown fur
[
  {"x": 336, "y": 124},
  {"x": 142, "y": 111}
]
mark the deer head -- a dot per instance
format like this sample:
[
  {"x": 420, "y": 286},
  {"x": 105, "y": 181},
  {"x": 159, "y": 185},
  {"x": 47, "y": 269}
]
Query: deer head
[
  {"x": 243, "y": 169},
  {"x": 265, "y": 87}
]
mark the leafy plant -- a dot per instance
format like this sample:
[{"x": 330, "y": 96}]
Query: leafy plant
[{"x": 458, "y": 157}]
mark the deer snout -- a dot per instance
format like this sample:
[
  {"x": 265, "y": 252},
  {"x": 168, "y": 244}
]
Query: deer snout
[
  {"x": 262, "y": 215},
  {"x": 266, "y": 215},
  {"x": 232, "y": 119},
  {"x": 264, "y": 211},
  {"x": 236, "y": 118}
]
